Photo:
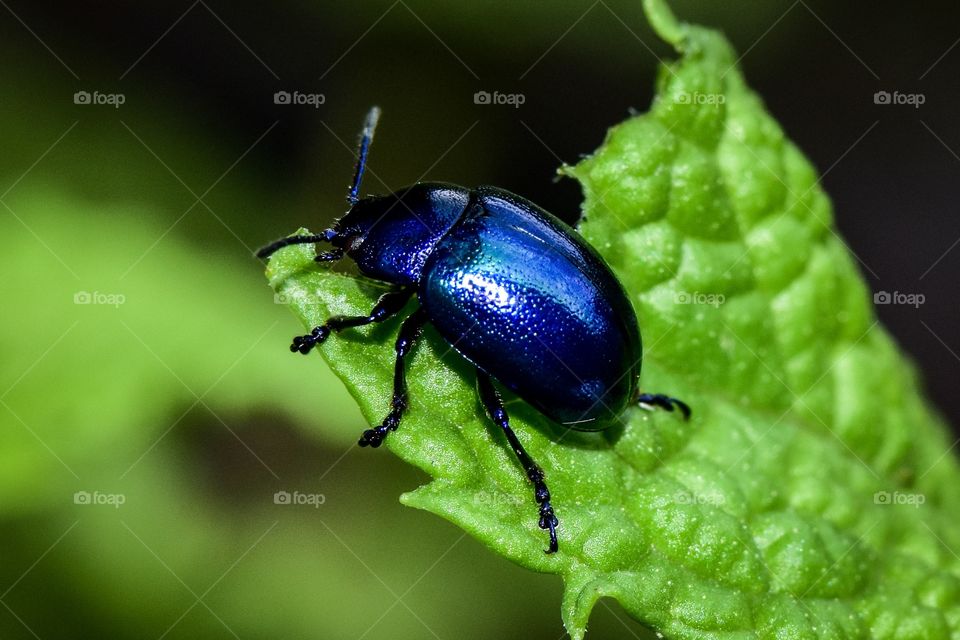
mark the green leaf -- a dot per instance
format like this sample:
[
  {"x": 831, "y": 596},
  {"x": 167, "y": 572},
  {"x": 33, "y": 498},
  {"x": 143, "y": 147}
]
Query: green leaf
[{"x": 810, "y": 495}]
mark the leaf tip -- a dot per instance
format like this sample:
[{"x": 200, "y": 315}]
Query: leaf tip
[
  {"x": 664, "y": 22},
  {"x": 578, "y": 599}
]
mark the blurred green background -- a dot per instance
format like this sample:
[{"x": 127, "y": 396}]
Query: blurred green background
[{"x": 149, "y": 408}]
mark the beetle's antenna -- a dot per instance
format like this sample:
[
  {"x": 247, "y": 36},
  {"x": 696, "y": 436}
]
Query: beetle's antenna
[
  {"x": 353, "y": 195},
  {"x": 273, "y": 247},
  {"x": 366, "y": 139}
]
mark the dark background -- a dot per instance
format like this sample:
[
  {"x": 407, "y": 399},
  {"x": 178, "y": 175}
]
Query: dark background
[
  {"x": 816, "y": 64},
  {"x": 198, "y": 81}
]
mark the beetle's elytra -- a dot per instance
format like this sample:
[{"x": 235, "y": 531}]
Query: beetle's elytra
[{"x": 514, "y": 290}]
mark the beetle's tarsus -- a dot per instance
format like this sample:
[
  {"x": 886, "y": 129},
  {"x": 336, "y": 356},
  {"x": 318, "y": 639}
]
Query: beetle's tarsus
[
  {"x": 549, "y": 521},
  {"x": 374, "y": 437},
  {"x": 494, "y": 406},
  {"x": 304, "y": 344},
  {"x": 388, "y": 305},
  {"x": 664, "y": 402}
]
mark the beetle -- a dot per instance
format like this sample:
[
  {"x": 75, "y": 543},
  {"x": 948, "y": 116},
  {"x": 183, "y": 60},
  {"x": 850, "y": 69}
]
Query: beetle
[{"x": 517, "y": 292}]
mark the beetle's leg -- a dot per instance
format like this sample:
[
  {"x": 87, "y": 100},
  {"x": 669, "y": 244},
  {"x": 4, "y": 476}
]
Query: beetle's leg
[
  {"x": 409, "y": 332},
  {"x": 664, "y": 402},
  {"x": 388, "y": 305},
  {"x": 494, "y": 406}
]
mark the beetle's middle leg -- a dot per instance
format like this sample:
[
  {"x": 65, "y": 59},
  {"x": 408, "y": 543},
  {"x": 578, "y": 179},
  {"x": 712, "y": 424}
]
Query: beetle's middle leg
[
  {"x": 409, "y": 332},
  {"x": 494, "y": 406},
  {"x": 388, "y": 305}
]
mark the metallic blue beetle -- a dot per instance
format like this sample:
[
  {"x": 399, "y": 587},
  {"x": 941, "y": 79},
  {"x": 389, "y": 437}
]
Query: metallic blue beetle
[{"x": 513, "y": 289}]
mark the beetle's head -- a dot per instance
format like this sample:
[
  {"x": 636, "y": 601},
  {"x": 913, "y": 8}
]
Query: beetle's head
[
  {"x": 390, "y": 237},
  {"x": 351, "y": 231}
]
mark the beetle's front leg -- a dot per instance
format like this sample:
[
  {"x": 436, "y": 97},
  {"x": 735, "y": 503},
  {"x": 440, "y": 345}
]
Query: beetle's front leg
[
  {"x": 388, "y": 305},
  {"x": 494, "y": 406},
  {"x": 407, "y": 338}
]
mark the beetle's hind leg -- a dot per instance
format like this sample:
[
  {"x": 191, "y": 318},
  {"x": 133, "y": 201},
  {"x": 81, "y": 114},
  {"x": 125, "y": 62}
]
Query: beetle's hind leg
[
  {"x": 388, "y": 305},
  {"x": 664, "y": 402},
  {"x": 494, "y": 406},
  {"x": 409, "y": 332}
]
